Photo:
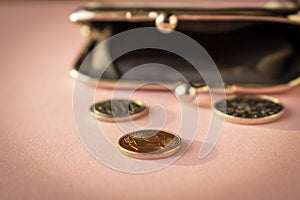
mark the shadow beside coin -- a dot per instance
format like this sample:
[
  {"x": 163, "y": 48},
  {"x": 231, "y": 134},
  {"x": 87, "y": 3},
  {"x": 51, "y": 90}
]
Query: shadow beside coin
[{"x": 191, "y": 156}]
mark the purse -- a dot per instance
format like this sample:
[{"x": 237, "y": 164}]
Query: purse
[{"x": 255, "y": 44}]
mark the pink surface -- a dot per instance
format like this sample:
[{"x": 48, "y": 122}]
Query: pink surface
[{"x": 41, "y": 156}]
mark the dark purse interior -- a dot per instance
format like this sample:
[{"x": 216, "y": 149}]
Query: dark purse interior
[{"x": 246, "y": 52}]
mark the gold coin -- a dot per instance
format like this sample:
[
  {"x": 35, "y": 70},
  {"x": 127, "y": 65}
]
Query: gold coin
[
  {"x": 118, "y": 110},
  {"x": 246, "y": 109},
  {"x": 149, "y": 144}
]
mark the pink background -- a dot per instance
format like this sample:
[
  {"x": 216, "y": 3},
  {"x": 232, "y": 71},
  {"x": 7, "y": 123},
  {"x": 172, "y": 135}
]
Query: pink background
[{"x": 41, "y": 156}]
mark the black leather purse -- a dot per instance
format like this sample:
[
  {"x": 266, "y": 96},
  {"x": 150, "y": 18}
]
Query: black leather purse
[{"x": 254, "y": 43}]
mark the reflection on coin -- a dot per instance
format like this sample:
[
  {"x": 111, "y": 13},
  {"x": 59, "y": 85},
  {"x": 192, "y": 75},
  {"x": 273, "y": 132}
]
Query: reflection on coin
[
  {"x": 249, "y": 109},
  {"x": 149, "y": 144},
  {"x": 118, "y": 110}
]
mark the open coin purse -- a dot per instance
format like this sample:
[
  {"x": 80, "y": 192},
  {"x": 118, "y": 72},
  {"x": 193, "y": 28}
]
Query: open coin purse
[{"x": 251, "y": 42}]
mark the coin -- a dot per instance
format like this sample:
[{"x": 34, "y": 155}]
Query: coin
[
  {"x": 149, "y": 144},
  {"x": 118, "y": 110},
  {"x": 243, "y": 109}
]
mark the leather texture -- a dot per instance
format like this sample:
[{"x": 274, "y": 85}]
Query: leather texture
[{"x": 259, "y": 48}]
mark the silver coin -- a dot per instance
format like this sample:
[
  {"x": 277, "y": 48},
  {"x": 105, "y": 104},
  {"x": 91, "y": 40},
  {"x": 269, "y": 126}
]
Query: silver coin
[
  {"x": 118, "y": 110},
  {"x": 245, "y": 109}
]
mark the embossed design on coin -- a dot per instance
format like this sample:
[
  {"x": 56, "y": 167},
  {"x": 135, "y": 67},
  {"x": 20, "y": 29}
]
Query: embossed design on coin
[
  {"x": 149, "y": 144},
  {"x": 118, "y": 110},
  {"x": 249, "y": 109}
]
